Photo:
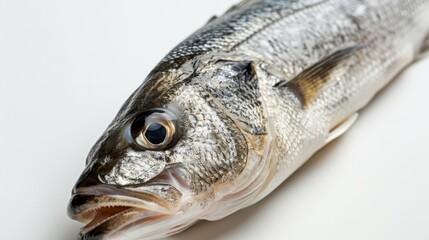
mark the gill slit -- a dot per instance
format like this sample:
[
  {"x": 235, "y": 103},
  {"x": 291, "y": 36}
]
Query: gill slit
[{"x": 265, "y": 153}]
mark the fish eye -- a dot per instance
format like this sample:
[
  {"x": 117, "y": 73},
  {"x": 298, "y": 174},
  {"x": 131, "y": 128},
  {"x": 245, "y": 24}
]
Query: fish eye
[{"x": 155, "y": 129}]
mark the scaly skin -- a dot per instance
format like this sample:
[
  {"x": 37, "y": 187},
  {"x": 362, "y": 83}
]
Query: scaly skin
[{"x": 247, "y": 114}]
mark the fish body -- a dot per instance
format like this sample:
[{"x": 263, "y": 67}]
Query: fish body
[{"x": 237, "y": 107}]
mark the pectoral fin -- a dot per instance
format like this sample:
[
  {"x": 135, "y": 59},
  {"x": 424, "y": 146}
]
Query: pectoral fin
[
  {"x": 309, "y": 82},
  {"x": 424, "y": 51},
  {"x": 341, "y": 128}
]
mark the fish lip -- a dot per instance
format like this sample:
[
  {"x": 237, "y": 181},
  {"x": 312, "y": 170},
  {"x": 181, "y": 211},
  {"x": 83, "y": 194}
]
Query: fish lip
[
  {"x": 104, "y": 205},
  {"x": 106, "y": 227},
  {"x": 91, "y": 198},
  {"x": 118, "y": 224}
]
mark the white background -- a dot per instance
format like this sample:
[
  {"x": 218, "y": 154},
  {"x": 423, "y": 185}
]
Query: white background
[{"x": 67, "y": 66}]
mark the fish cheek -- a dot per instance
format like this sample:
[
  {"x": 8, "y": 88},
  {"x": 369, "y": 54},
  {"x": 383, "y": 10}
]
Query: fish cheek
[
  {"x": 212, "y": 149},
  {"x": 233, "y": 87},
  {"x": 220, "y": 157}
]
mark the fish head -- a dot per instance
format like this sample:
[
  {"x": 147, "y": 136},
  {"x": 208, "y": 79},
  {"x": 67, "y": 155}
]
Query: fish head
[{"x": 179, "y": 146}]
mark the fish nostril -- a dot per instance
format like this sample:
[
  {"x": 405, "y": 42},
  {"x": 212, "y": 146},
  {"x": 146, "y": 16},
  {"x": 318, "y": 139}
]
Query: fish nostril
[{"x": 86, "y": 180}]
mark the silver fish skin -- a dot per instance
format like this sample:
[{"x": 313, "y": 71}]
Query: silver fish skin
[{"x": 237, "y": 107}]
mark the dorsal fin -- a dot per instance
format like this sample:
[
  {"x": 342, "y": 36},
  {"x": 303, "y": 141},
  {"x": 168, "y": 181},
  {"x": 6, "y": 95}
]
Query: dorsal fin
[
  {"x": 309, "y": 82},
  {"x": 241, "y": 5},
  {"x": 214, "y": 17}
]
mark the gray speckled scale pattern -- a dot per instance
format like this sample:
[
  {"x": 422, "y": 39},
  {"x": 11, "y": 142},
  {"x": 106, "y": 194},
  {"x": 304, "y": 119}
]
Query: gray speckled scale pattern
[
  {"x": 239, "y": 132},
  {"x": 289, "y": 36}
]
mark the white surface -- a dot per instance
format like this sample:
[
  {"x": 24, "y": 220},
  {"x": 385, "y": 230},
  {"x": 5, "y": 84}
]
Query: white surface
[{"x": 67, "y": 66}]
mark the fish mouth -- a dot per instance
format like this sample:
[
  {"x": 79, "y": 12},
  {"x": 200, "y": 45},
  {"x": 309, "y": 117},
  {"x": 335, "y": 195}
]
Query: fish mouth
[{"x": 108, "y": 211}]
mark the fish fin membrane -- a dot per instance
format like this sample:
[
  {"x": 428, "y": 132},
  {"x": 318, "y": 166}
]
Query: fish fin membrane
[
  {"x": 424, "y": 51},
  {"x": 341, "y": 128},
  {"x": 241, "y": 5},
  {"x": 309, "y": 82},
  {"x": 214, "y": 17},
  {"x": 425, "y": 47}
]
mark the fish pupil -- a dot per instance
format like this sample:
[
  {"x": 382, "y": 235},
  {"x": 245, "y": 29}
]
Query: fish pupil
[{"x": 156, "y": 133}]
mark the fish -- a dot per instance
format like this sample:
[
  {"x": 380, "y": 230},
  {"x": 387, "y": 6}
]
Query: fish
[{"x": 233, "y": 110}]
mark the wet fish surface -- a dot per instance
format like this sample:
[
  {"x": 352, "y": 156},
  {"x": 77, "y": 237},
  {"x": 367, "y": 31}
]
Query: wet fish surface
[{"x": 237, "y": 107}]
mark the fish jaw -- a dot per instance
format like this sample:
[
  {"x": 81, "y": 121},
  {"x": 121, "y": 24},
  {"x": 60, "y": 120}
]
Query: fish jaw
[
  {"x": 156, "y": 209},
  {"x": 107, "y": 210}
]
